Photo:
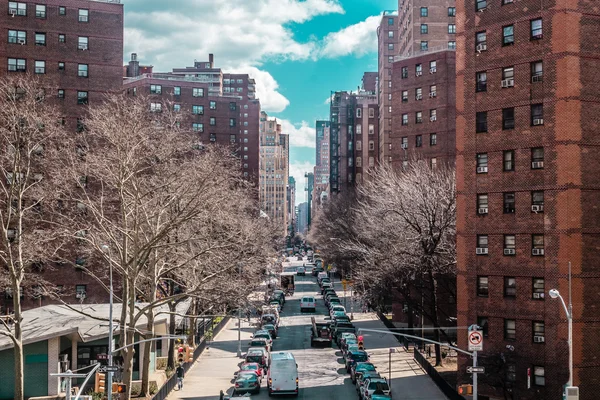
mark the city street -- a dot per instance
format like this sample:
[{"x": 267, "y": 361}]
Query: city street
[{"x": 321, "y": 371}]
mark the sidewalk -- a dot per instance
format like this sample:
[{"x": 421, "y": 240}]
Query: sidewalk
[{"x": 213, "y": 371}]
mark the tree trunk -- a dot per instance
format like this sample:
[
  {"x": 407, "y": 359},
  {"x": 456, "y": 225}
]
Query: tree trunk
[
  {"x": 18, "y": 349},
  {"x": 434, "y": 319},
  {"x": 171, "y": 353},
  {"x": 194, "y": 322},
  {"x": 145, "y": 390},
  {"x": 129, "y": 297}
]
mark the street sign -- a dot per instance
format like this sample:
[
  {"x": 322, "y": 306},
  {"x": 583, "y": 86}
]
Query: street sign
[
  {"x": 101, "y": 357},
  {"x": 109, "y": 368},
  {"x": 392, "y": 350},
  {"x": 475, "y": 340},
  {"x": 475, "y": 370}
]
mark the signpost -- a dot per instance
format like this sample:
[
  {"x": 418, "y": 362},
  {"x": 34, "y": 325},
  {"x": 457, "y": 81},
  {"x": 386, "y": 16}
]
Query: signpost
[
  {"x": 108, "y": 368},
  {"x": 475, "y": 339},
  {"x": 475, "y": 370}
]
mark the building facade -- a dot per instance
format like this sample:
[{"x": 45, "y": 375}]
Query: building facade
[
  {"x": 425, "y": 25},
  {"x": 424, "y": 95},
  {"x": 354, "y": 147},
  {"x": 387, "y": 39},
  {"x": 76, "y": 47},
  {"x": 291, "y": 206},
  {"x": 527, "y": 151},
  {"x": 321, "y": 169},
  {"x": 274, "y": 172}
]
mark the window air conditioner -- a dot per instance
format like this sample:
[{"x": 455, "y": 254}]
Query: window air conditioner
[
  {"x": 12, "y": 12},
  {"x": 538, "y": 339},
  {"x": 537, "y": 208},
  {"x": 506, "y": 83},
  {"x": 482, "y": 170},
  {"x": 432, "y": 70},
  {"x": 538, "y": 121},
  {"x": 432, "y": 95},
  {"x": 419, "y": 73},
  {"x": 481, "y": 250},
  {"x": 538, "y": 295},
  {"x": 572, "y": 393},
  {"x": 481, "y": 47},
  {"x": 22, "y": 42},
  {"x": 83, "y": 47},
  {"x": 537, "y": 78},
  {"x": 537, "y": 165},
  {"x": 404, "y": 146},
  {"x": 433, "y": 119},
  {"x": 80, "y": 295},
  {"x": 482, "y": 210},
  {"x": 509, "y": 252},
  {"x": 537, "y": 252},
  {"x": 419, "y": 97}
]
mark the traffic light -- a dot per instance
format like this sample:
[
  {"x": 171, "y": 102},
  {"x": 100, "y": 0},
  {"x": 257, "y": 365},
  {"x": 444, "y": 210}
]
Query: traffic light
[
  {"x": 100, "y": 385},
  {"x": 465, "y": 389},
  {"x": 181, "y": 354},
  {"x": 119, "y": 388},
  {"x": 361, "y": 344}
]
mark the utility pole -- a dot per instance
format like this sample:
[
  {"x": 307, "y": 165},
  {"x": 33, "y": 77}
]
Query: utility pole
[{"x": 106, "y": 249}]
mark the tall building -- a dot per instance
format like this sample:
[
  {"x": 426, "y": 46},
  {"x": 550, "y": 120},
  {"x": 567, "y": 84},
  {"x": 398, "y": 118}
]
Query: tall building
[
  {"x": 387, "y": 39},
  {"x": 354, "y": 122},
  {"x": 425, "y": 25},
  {"x": 274, "y": 173},
  {"x": 291, "y": 206},
  {"x": 224, "y": 117},
  {"x": 310, "y": 185},
  {"x": 302, "y": 218},
  {"x": 321, "y": 170},
  {"x": 527, "y": 151},
  {"x": 76, "y": 47},
  {"x": 424, "y": 95},
  {"x": 369, "y": 82}
]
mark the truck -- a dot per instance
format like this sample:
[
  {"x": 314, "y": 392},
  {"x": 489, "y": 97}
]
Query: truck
[
  {"x": 321, "y": 334},
  {"x": 286, "y": 281}
]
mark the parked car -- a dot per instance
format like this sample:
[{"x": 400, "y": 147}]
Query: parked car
[
  {"x": 361, "y": 378},
  {"x": 308, "y": 303},
  {"x": 301, "y": 271},
  {"x": 269, "y": 319},
  {"x": 360, "y": 368},
  {"x": 338, "y": 330},
  {"x": 316, "y": 270},
  {"x": 246, "y": 382},
  {"x": 272, "y": 329},
  {"x": 275, "y": 303},
  {"x": 374, "y": 384},
  {"x": 346, "y": 336},
  {"x": 334, "y": 300},
  {"x": 261, "y": 342},
  {"x": 263, "y": 334},
  {"x": 336, "y": 308},
  {"x": 353, "y": 357},
  {"x": 251, "y": 367},
  {"x": 258, "y": 355}
]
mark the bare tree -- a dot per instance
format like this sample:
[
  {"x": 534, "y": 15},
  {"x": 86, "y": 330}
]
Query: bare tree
[{"x": 29, "y": 136}]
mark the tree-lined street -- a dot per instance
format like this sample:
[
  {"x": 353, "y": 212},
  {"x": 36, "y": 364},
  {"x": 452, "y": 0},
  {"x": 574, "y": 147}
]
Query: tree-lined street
[{"x": 321, "y": 371}]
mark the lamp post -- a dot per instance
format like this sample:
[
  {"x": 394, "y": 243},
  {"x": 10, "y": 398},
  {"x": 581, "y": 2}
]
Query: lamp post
[
  {"x": 569, "y": 311},
  {"x": 239, "y": 349},
  {"x": 106, "y": 249}
]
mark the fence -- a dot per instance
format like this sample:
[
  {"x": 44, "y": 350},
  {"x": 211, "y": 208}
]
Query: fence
[
  {"x": 170, "y": 384},
  {"x": 448, "y": 390},
  {"x": 404, "y": 341}
]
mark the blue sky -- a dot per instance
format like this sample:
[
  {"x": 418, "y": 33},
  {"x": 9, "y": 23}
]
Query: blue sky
[{"x": 297, "y": 50}]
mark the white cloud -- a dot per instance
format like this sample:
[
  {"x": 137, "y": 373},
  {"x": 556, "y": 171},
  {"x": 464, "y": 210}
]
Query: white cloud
[
  {"x": 266, "y": 89},
  {"x": 297, "y": 170},
  {"x": 358, "y": 39},
  {"x": 301, "y": 135}
]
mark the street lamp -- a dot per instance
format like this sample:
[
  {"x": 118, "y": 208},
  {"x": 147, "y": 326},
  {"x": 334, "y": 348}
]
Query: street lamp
[
  {"x": 569, "y": 311},
  {"x": 106, "y": 250}
]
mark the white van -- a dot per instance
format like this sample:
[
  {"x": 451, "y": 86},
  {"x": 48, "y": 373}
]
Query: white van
[
  {"x": 308, "y": 303},
  {"x": 283, "y": 374}
]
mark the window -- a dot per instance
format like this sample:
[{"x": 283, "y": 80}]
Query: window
[
  {"x": 231, "y": 121},
  {"x": 481, "y": 122},
  {"x": 537, "y": 288},
  {"x": 233, "y": 107},
  {"x": 511, "y": 372},
  {"x": 156, "y": 89},
  {"x": 537, "y": 114},
  {"x": 390, "y": 59},
  {"x": 538, "y": 376},
  {"x": 537, "y": 242},
  {"x": 404, "y": 72},
  {"x": 419, "y": 69},
  {"x": 432, "y": 67},
  {"x": 155, "y": 107},
  {"x": 537, "y": 158},
  {"x": 424, "y": 45},
  {"x": 452, "y": 44},
  {"x": 424, "y": 29},
  {"x": 510, "y": 329},
  {"x": 482, "y": 204},
  {"x": 83, "y": 15},
  {"x": 390, "y": 46},
  {"x": 62, "y": 38},
  {"x": 537, "y": 199},
  {"x": 508, "y": 35},
  {"x": 509, "y": 203},
  {"x": 80, "y": 289},
  {"x": 198, "y": 127},
  {"x": 62, "y": 10},
  {"x": 451, "y": 28},
  {"x": 239, "y": 81},
  {"x": 40, "y": 39},
  {"x": 538, "y": 329},
  {"x": 40, "y": 11},
  {"x": 359, "y": 129},
  {"x": 404, "y": 143},
  {"x": 452, "y": 11},
  {"x": 177, "y": 91},
  {"x": 371, "y": 129},
  {"x": 419, "y": 117},
  {"x": 60, "y": 94},
  {"x": 213, "y": 121},
  {"x": 371, "y": 145},
  {"x": 17, "y": 37},
  {"x": 358, "y": 145},
  {"x": 510, "y": 286},
  {"x": 405, "y": 119},
  {"x": 433, "y": 163},
  {"x": 390, "y": 21},
  {"x": 82, "y": 43},
  {"x": 15, "y": 8},
  {"x": 536, "y": 29},
  {"x": 177, "y": 107},
  {"x": 405, "y": 96},
  {"x": 480, "y": 5},
  {"x": 17, "y": 65},
  {"x": 240, "y": 89},
  {"x": 233, "y": 139},
  {"x": 482, "y": 322},
  {"x": 537, "y": 71},
  {"x": 508, "y": 118},
  {"x": 418, "y": 141},
  {"x": 390, "y": 34},
  {"x": 482, "y": 163},
  {"x": 433, "y": 139},
  {"x": 482, "y": 242},
  {"x": 433, "y": 91},
  {"x": 509, "y": 160},
  {"x": 482, "y": 285},
  {"x": 82, "y": 97},
  {"x": 371, "y": 161},
  {"x": 505, "y": 2},
  {"x": 212, "y": 105},
  {"x": 418, "y": 94},
  {"x": 82, "y": 70},
  {"x": 61, "y": 66},
  {"x": 198, "y": 110},
  {"x": 358, "y": 112},
  {"x": 481, "y": 81},
  {"x": 198, "y": 92},
  {"x": 40, "y": 67},
  {"x": 424, "y": 12},
  {"x": 433, "y": 115},
  {"x": 481, "y": 41}
]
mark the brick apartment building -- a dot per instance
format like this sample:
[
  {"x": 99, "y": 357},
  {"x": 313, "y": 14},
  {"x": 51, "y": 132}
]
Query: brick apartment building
[
  {"x": 353, "y": 141},
  {"x": 321, "y": 170},
  {"x": 527, "y": 161},
  {"x": 423, "y": 95},
  {"x": 387, "y": 39},
  {"x": 425, "y": 25},
  {"x": 75, "y": 46}
]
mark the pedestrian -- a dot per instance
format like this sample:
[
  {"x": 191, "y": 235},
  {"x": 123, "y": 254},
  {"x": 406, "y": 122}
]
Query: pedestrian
[
  {"x": 180, "y": 375},
  {"x": 221, "y": 395}
]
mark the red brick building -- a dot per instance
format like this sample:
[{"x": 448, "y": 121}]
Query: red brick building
[
  {"x": 423, "y": 97},
  {"x": 527, "y": 166},
  {"x": 76, "y": 46},
  {"x": 387, "y": 44}
]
